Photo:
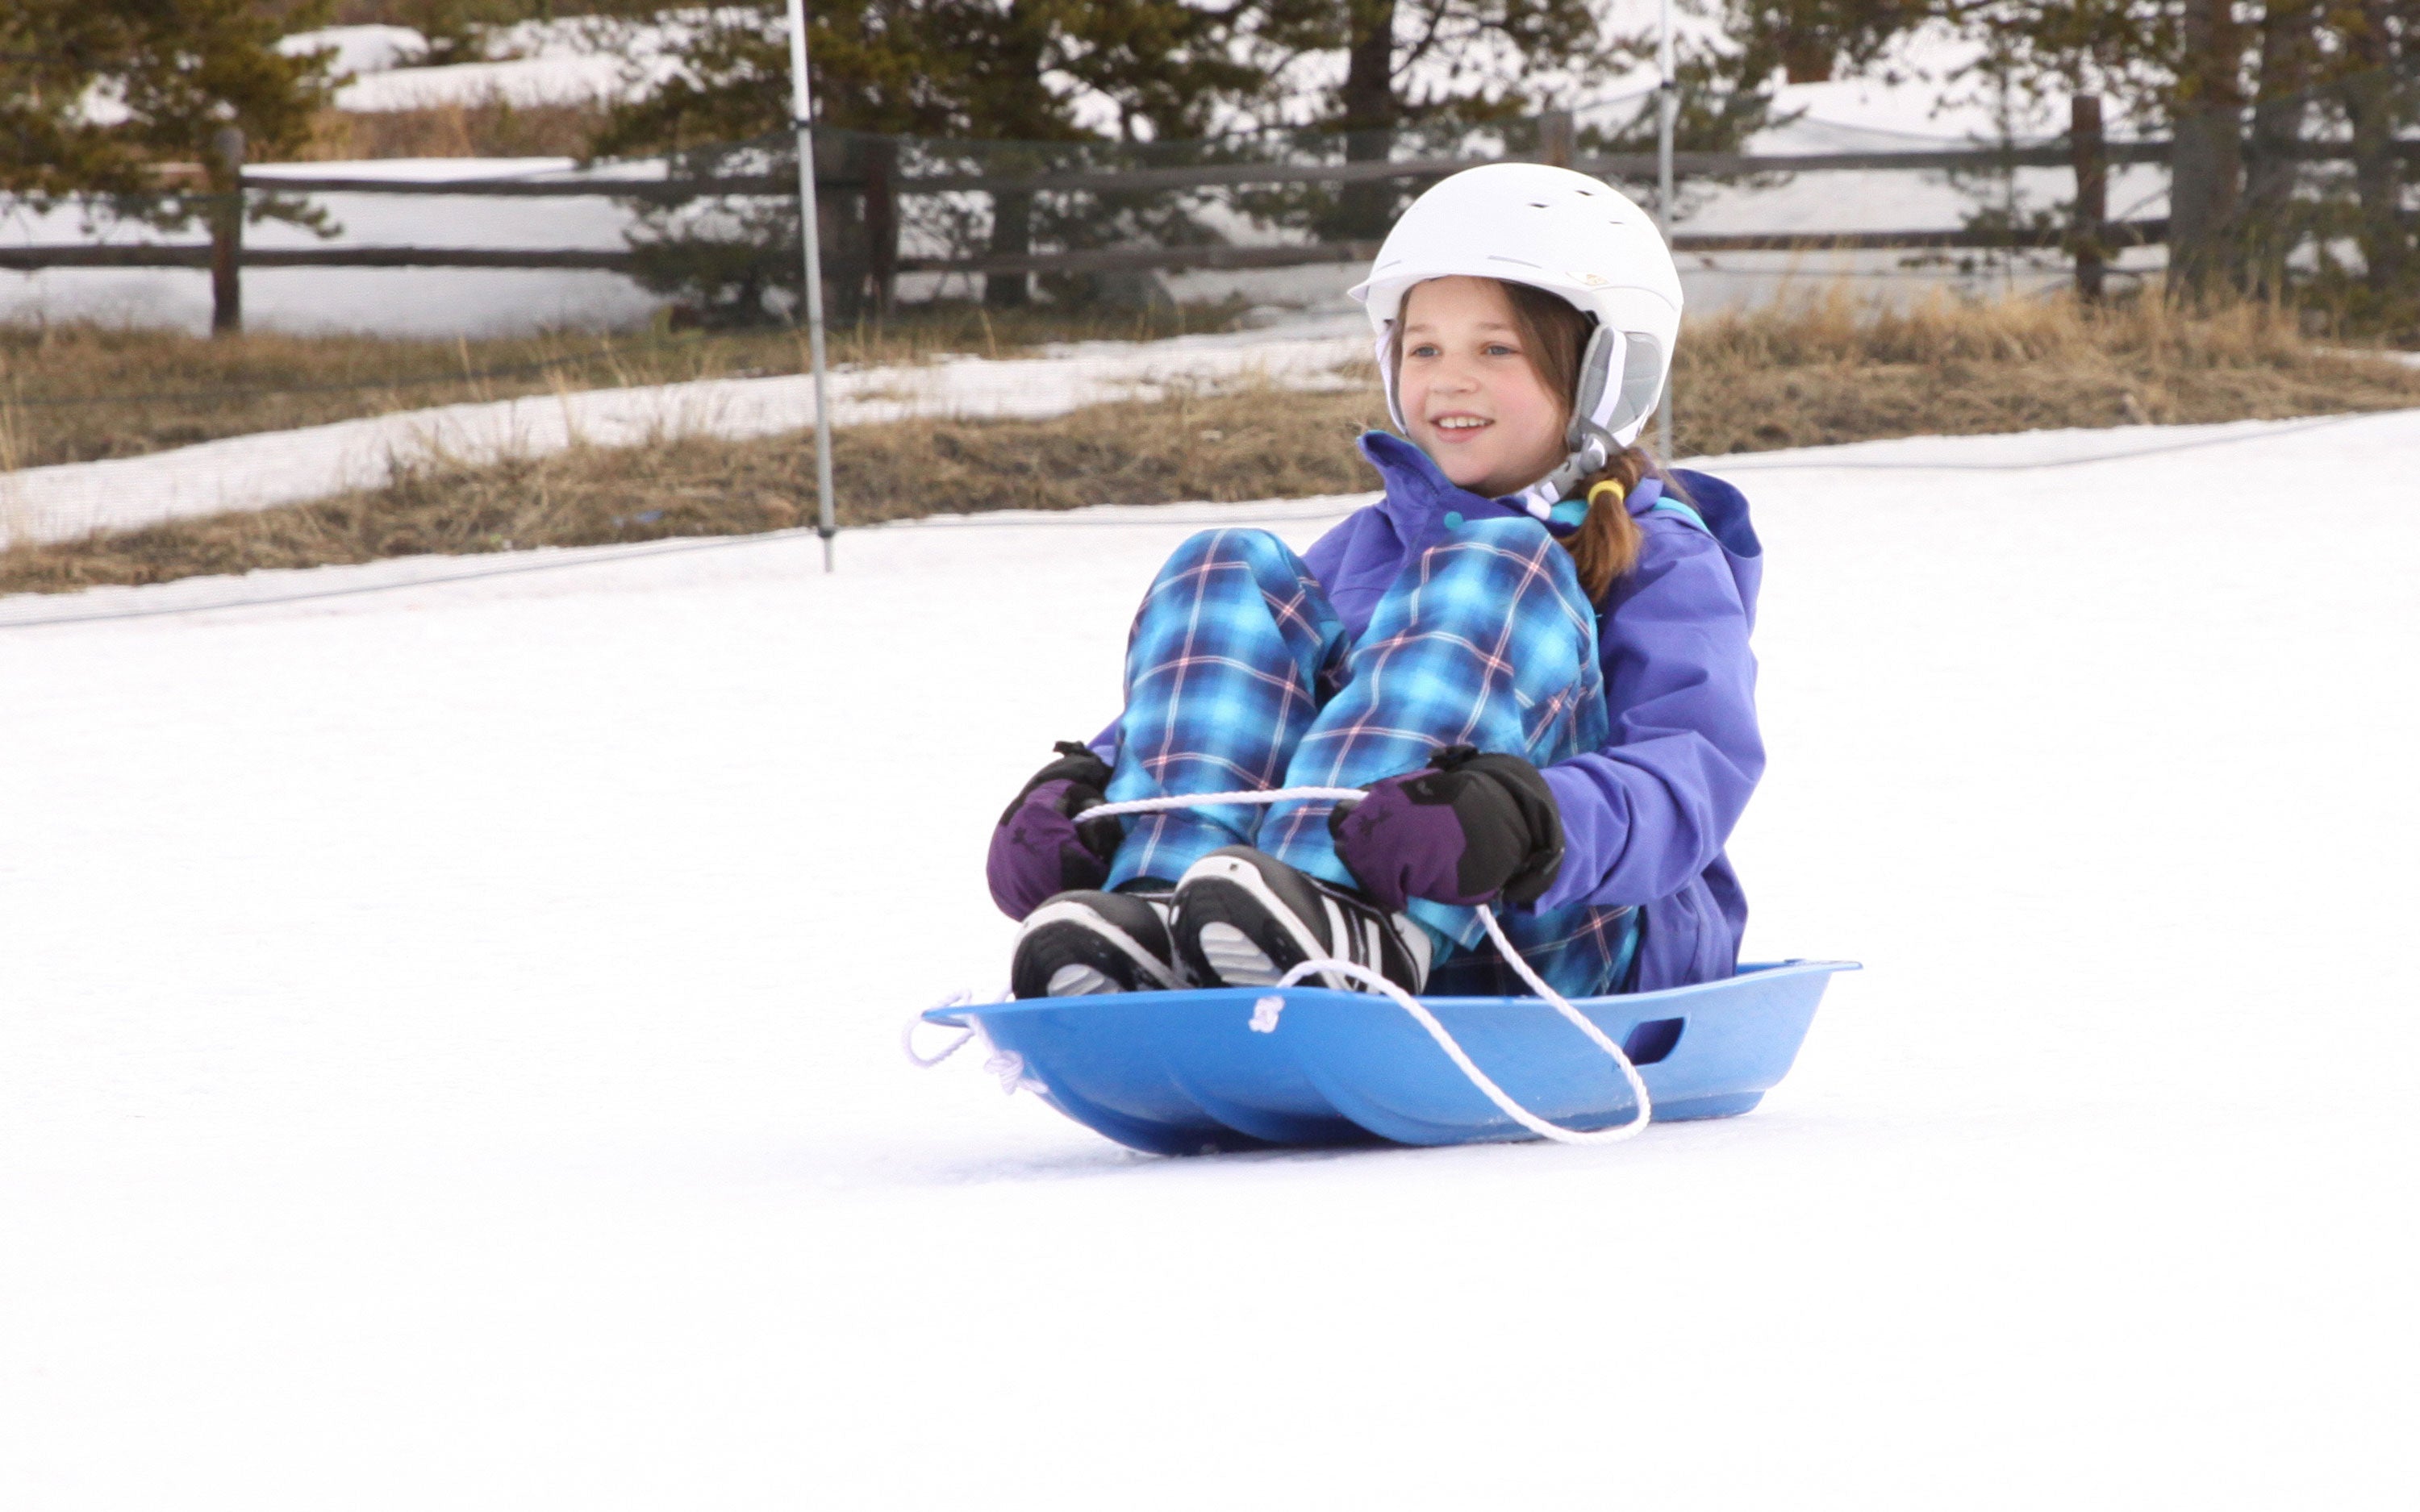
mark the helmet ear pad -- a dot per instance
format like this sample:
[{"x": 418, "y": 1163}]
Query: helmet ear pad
[
  {"x": 1597, "y": 358},
  {"x": 1622, "y": 375},
  {"x": 1643, "y": 364}
]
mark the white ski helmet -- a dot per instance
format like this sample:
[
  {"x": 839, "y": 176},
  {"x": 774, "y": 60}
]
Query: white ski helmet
[{"x": 1563, "y": 232}]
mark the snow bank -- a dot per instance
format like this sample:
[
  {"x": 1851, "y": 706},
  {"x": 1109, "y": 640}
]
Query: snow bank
[
  {"x": 286, "y": 466},
  {"x": 448, "y": 1054},
  {"x": 567, "y": 62},
  {"x": 359, "y": 50}
]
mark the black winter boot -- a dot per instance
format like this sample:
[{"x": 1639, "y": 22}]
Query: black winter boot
[
  {"x": 1244, "y": 919},
  {"x": 1080, "y": 943}
]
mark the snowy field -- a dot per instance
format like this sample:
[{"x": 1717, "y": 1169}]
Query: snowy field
[{"x": 448, "y": 1055}]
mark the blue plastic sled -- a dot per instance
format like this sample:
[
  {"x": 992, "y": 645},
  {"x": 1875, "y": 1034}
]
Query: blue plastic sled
[{"x": 1210, "y": 1070}]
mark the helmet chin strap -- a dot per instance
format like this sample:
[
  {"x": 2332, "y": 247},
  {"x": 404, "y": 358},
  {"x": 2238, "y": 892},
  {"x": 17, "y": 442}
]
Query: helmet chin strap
[{"x": 1589, "y": 443}]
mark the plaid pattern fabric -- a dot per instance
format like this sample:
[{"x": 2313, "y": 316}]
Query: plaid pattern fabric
[
  {"x": 1232, "y": 654},
  {"x": 1238, "y": 674}
]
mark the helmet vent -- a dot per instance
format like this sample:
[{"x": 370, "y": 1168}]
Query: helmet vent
[{"x": 1517, "y": 262}]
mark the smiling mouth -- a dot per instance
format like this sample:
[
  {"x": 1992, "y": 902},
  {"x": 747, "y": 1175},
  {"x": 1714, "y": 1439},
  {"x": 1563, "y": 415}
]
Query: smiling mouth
[{"x": 1459, "y": 424}]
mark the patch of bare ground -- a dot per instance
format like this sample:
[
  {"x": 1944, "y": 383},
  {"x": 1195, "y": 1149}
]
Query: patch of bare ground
[
  {"x": 1808, "y": 377},
  {"x": 491, "y": 127}
]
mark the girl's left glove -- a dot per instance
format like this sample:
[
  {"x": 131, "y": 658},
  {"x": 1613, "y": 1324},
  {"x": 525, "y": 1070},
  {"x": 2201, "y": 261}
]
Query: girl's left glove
[
  {"x": 1043, "y": 846},
  {"x": 1465, "y": 830}
]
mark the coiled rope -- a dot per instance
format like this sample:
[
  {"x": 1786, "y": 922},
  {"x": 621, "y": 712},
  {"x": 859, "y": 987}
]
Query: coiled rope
[{"x": 1265, "y": 1011}]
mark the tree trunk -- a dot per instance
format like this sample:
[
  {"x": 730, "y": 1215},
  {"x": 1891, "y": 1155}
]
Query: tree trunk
[
  {"x": 882, "y": 219},
  {"x": 226, "y": 174},
  {"x": 1012, "y": 234},
  {"x": 2288, "y": 47},
  {"x": 2378, "y": 178},
  {"x": 1806, "y": 46},
  {"x": 1364, "y": 210},
  {"x": 2089, "y": 148},
  {"x": 1554, "y": 138},
  {"x": 2205, "y": 162},
  {"x": 1020, "y": 107},
  {"x": 839, "y": 223}
]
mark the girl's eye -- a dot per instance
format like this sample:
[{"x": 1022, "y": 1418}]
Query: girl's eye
[
  {"x": 1423, "y": 349},
  {"x": 1498, "y": 348}
]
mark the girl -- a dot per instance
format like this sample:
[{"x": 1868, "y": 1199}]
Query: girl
[{"x": 1532, "y": 654}]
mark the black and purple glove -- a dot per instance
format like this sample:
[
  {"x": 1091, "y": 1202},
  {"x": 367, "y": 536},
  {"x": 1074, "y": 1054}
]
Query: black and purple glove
[
  {"x": 1041, "y": 848},
  {"x": 1465, "y": 830}
]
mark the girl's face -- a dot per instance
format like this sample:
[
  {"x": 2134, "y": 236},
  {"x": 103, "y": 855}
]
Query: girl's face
[{"x": 1471, "y": 397}]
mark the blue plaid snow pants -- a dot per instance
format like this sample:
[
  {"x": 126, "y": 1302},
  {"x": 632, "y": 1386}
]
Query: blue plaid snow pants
[{"x": 1239, "y": 675}]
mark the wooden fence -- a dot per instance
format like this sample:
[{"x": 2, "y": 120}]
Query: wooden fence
[{"x": 874, "y": 176}]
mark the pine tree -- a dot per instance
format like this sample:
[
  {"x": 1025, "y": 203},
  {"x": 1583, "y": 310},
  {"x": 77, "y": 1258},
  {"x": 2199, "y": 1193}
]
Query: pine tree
[
  {"x": 108, "y": 95},
  {"x": 964, "y": 70},
  {"x": 1475, "y": 52},
  {"x": 52, "y": 55},
  {"x": 1811, "y": 40}
]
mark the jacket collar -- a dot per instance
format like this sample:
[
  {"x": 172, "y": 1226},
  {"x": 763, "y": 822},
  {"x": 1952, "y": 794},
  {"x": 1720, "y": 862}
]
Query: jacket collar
[{"x": 1419, "y": 494}]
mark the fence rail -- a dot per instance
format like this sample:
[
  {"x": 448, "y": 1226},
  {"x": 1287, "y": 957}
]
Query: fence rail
[
  {"x": 1137, "y": 259},
  {"x": 875, "y": 175},
  {"x": 1214, "y": 175}
]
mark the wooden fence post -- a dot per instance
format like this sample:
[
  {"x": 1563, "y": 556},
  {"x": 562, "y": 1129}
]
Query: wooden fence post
[
  {"x": 226, "y": 230},
  {"x": 2089, "y": 149},
  {"x": 1554, "y": 138}
]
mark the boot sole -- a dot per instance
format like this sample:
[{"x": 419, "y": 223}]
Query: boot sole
[
  {"x": 1068, "y": 950},
  {"x": 1228, "y": 904}
]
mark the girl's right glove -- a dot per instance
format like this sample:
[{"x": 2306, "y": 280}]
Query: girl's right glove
[
  {"x": 1042, "y": 848},
  {"x": 1465, "y": 830}
]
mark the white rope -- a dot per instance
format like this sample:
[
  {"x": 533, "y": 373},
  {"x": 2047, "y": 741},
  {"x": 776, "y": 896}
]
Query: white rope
[
  {"x": 1412, "y": 1005},
  {"x": 1470, "y": 1069},
  {"x": 915, "y": 1021},
  {"x": 1206, "y": 800}
]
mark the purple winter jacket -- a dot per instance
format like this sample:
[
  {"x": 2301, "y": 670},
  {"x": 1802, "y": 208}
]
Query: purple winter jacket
[{"x": 1646, "y": 817}]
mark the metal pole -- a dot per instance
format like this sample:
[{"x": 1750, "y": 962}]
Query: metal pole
[
  {"x": 1667, "y": 111},
  {"x": 810, "y": 237}
]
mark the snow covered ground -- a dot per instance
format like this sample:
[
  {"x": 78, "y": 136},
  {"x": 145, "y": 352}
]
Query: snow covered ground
[
  {"x": 447, "y": 1051},
  {"x": 566, "y": 62},
  {"x": 272, "y": 468}
]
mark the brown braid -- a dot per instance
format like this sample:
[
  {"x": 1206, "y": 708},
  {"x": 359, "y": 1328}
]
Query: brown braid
[{"x": 1554, "y": 334}]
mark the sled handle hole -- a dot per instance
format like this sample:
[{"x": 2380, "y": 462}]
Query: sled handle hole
[{"x": 1651, "y": 1041}]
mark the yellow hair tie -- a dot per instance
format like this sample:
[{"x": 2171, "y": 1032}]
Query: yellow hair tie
[{"x": 1609, "y": 486}]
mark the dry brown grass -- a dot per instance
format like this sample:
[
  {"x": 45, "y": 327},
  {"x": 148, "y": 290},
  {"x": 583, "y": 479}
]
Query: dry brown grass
[
  {"x": 1246, "y": 445},
  {"x": 79, "y": 392},
  {"x": 492, "y": 128},
  {"x": 1827, "y": 372},
  {"x": 1746, "y": 383}
]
